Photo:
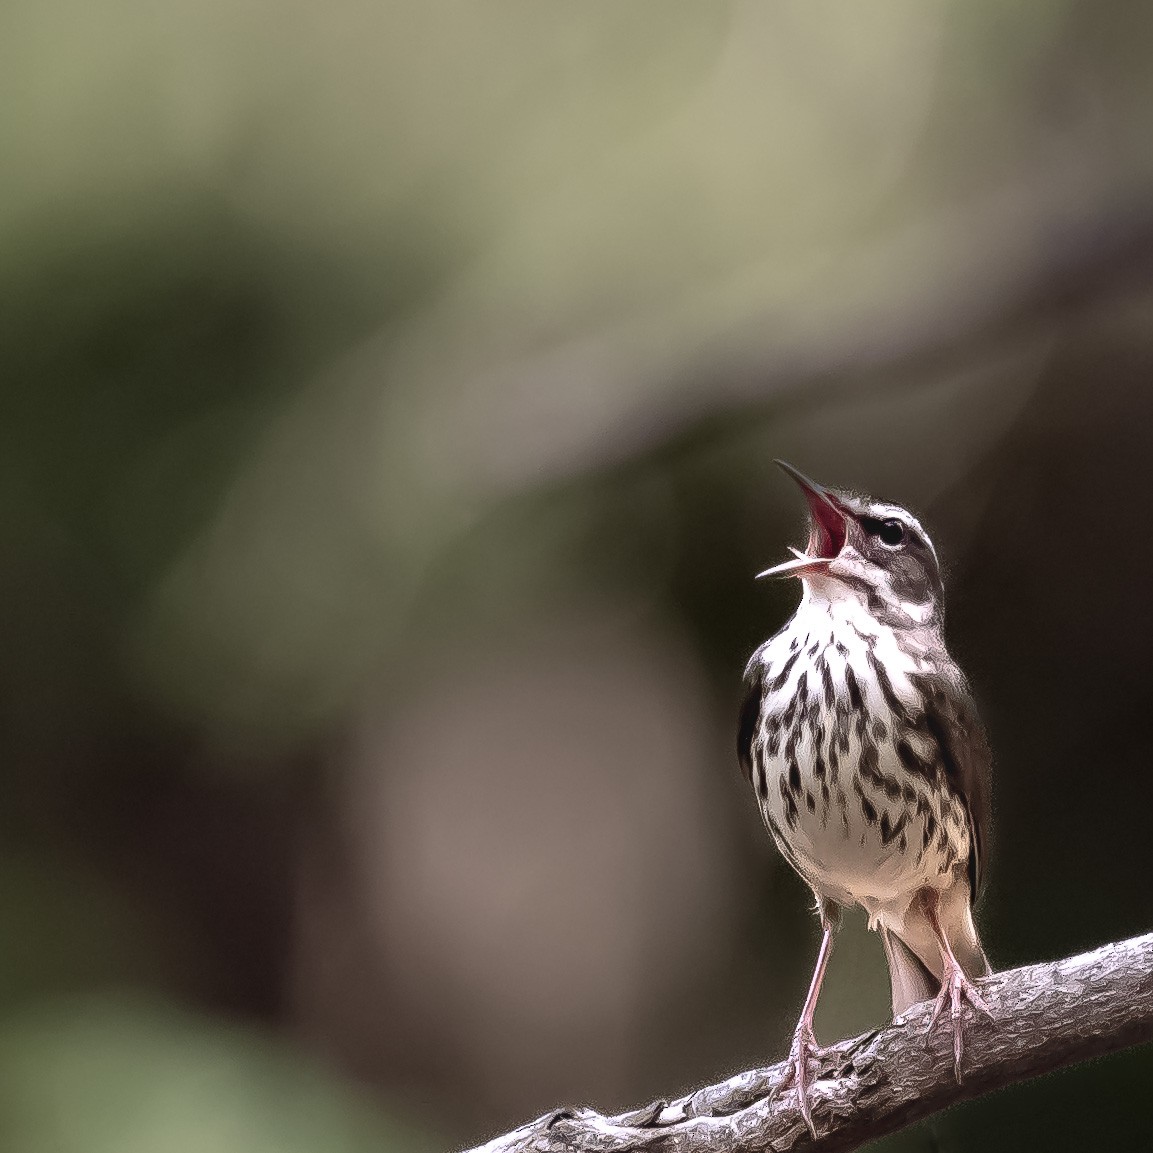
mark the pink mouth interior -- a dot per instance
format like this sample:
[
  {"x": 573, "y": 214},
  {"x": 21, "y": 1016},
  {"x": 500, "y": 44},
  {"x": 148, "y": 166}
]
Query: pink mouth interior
[{"x": 827, "y": 536}]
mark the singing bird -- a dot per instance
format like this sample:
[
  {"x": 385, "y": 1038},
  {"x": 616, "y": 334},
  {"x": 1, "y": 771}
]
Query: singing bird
[{"x": 869, "y": 762}]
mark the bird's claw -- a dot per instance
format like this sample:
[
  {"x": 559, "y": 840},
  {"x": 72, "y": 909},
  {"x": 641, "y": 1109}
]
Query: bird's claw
[
  {"x": 804, "y": 1049},
  {"x": 955, "y": 989}
]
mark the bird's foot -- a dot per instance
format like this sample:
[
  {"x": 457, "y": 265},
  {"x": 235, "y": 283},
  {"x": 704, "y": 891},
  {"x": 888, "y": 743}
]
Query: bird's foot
[
  {"x": 804, "y": 1049},
  {"x": 956, "y": 988}
]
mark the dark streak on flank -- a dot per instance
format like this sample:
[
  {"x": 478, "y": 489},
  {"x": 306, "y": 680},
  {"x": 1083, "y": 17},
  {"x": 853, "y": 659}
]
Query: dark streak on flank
[
  {"x": 855, "y": 698},
  {"x": 791, "y": 812},
  {"x": 930, "y": 829},
  {"x": 791, "y": 743},
  {"x": 817, "y": 732},
  {"x": 867, "y": 806},
  {"x": 890, "y": 832},
  {"x": 888, "y": 693},
  {"x": 802, "y": 694},
  {"x": 870, "y": 770},
  {"x": 789, "y": 714},
  {"x": 778, "y": 682},
  {"x": 827, "y": 683},
  {"x": 841, "y": 727},
  {"x": 916, "y": 765}
]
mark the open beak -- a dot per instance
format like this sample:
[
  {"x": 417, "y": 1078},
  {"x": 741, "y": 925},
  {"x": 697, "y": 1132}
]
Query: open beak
[{"x": 827, "y": 536}]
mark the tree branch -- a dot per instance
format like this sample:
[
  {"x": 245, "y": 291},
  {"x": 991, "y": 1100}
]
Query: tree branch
[{"x": 1044, "y": 1017}]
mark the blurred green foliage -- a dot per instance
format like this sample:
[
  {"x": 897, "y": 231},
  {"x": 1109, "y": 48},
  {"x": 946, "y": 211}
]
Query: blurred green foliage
[{"x": 120, "y": 1074}]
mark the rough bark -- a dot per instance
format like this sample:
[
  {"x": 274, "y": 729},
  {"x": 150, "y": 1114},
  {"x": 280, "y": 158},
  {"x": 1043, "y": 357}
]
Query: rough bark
[{"x": 1044, "y": 1017}]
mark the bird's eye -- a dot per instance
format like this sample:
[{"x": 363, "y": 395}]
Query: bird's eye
[{"x": 891, "y": 532}]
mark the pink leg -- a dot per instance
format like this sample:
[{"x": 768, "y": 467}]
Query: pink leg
[
  {"x": 955, "y": 987},
  {"x": 805, "y": 1047}
]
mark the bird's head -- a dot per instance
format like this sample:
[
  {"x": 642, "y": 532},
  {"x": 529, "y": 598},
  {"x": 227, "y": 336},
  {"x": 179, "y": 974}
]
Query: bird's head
[{"x": 866, "y": 550}]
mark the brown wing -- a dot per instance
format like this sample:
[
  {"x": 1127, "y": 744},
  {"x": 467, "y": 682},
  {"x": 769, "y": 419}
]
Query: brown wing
[
  {"x": 952, "y": 720},
  {"x": 750, "y": 714}
]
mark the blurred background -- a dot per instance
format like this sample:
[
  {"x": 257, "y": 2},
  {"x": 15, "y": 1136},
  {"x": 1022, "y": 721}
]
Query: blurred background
[{"x": 389, "y": 394}]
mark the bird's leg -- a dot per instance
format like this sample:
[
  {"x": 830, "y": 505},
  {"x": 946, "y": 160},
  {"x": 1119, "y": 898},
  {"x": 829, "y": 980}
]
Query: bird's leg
[
  {"x": 805, "y": 1048},
  {"x": 955, "y": 986}
]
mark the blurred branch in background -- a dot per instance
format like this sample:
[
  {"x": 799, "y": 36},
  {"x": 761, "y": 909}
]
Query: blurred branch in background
[{"x": 1044, "y": 1017}]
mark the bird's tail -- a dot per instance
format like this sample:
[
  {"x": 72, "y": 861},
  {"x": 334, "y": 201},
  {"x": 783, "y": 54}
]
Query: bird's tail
[
  {"x": 914, "y": 956},
  {"x": 910, "y": 980}
]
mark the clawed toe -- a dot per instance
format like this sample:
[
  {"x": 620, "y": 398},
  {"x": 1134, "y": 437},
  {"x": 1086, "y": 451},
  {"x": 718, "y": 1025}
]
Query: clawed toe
[
  {"x": 804, "y": 1049},
  {"x": 956, "y": 988}
]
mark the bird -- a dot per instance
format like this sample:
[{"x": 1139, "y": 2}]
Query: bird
[{"x": 869, "y": 762}]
